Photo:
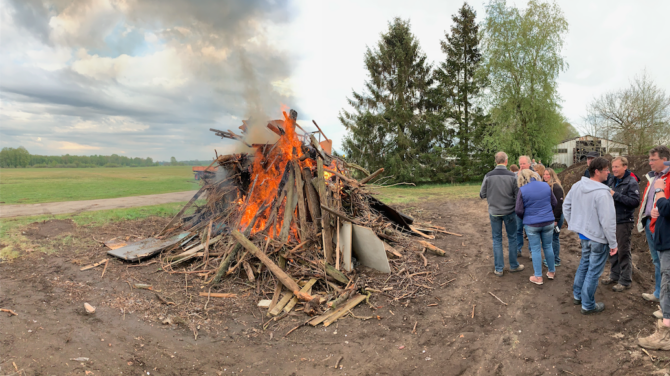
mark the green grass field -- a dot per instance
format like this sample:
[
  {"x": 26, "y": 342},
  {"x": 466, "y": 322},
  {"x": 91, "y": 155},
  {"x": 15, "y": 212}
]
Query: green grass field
[
  {"x": 408, "y": 194},
  {"x": 38, "y": 185}
]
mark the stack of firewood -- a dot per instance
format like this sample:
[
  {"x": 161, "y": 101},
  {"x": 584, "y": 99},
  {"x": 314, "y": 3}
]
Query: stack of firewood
[{"x": 273, "y": 215}]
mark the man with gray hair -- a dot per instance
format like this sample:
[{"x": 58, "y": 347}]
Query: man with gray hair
[
  {"x": 500, "y": 189},
  {"x": 524, "y": 164}
]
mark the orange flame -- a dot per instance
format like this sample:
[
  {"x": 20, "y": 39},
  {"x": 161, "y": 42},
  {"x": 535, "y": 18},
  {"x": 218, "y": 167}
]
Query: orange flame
[{"x": 267, "y": 172}]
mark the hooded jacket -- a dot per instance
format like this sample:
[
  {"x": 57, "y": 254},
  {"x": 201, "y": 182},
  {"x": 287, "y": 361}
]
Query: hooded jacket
[
  {"x": 589, "y": 210},
  {"x": 626, "y": 196}
]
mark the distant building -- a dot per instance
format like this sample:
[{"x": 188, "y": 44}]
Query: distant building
[
  {"x": 200, "y": 171},
  {"x": 574, "y": 150}
]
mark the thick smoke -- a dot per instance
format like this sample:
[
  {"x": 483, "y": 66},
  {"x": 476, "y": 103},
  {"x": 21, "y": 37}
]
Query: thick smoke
[{"x": 214, "y": 65}]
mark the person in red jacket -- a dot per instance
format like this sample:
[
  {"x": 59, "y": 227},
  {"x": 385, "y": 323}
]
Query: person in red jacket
[
  {"x": 660, "y": 340},
  {"x": 657, "y": 156}
]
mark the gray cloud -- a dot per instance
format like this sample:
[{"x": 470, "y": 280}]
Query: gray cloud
[{"x": 217, "y": 68}]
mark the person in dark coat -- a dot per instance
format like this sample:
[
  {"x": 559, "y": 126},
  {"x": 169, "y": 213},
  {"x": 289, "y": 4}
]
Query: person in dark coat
[
  {"x": 551, "y": 178},
  {"x": 589, "y": 157},
  {"x": 626, "y": 194},
  {"x": 660, "y": 340}
]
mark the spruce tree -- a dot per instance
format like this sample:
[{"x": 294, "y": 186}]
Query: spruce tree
[
  {"x": 394, "y": 123},
  {"x": 461, "y": 84}
]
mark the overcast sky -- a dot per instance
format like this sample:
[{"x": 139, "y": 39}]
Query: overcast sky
[{"x": 148, "y": 78}]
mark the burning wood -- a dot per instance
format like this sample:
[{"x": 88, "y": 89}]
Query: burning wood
[{"x": 283, "y": 204}]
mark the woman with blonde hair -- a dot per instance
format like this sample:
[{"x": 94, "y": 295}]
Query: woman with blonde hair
[
  {"x": 551, "y": 178},
  {"x": 534, "y": 205}
]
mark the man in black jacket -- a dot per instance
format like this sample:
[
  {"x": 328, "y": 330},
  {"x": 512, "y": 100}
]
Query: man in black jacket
[{"x": 626, "y": 194}]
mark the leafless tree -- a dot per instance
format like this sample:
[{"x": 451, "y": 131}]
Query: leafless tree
[{"x": 638, "y": 116}]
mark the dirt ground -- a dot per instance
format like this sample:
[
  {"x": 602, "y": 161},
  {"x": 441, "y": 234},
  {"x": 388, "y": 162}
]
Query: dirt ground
[{"x": 457, "y": 328}]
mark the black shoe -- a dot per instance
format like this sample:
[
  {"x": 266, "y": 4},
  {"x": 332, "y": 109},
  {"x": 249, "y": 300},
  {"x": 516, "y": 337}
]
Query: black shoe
[
  {"x": 599, "y": 308},
  {"x": 576, "y": 301}
]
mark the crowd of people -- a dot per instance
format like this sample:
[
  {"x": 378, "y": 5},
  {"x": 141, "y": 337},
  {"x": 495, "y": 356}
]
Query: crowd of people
[{"x": 600, "y": 209}]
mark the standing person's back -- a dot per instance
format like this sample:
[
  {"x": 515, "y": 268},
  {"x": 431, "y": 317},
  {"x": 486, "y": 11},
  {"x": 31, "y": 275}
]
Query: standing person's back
[
  {"x": 499, "y": 188},
  {"x": 534, "y": 205},
  {"x": 589, "y": 210}
]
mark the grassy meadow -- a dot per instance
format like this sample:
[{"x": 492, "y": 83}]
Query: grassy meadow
[
  {"x": 403, "y": 194},
  {"x": 38, "y": 185}
]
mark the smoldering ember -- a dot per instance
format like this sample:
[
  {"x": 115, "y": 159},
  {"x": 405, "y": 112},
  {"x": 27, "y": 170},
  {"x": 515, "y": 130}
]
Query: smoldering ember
[{"x": 290, "y": 217}]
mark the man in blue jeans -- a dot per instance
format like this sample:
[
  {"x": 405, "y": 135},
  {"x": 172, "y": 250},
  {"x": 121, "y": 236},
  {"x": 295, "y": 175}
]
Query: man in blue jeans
[
  {"x": 657, "y": 156},
  {"x": 499, "y": 188},
  {"x": 589, "y": 210}
]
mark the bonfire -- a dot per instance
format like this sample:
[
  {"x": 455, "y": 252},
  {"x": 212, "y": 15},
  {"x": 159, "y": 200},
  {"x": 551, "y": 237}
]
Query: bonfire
[{"x": 289, "y": 213}]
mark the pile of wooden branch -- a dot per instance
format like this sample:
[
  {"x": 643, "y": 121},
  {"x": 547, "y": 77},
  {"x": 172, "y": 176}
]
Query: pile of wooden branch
[{"x": 281, "y": 214}]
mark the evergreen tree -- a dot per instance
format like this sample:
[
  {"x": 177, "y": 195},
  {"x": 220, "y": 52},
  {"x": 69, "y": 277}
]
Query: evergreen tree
[
  {"x": 461, "y": 84},
  {"x": 522, "y": 49},
  {"x": 394, "y": 123}
]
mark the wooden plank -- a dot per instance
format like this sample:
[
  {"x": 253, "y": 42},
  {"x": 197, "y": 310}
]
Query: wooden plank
[
  {"x": 353, "y": 302},
  {"x": 312, "y": 199},
  {"x": 327, "y": 232},
  {"x": 319, "y": 319},
  {"x": 306, "y": 289},
  {"x": 283, "y": 302},
  {"x": 193, "y": 250},
  {"x": 291, "y": 202},
  {"x": 389, "y": 249},
  {"x": 205, "y": 258},
  {"x": 278, "y": 287},
  {"x": 338, "y": 275},
  {"x": 250, "y": 272},
  {"x": 218, "y": 295},
  {"x": 285, "y": 279},
  {"x": 302, "y": 211}
]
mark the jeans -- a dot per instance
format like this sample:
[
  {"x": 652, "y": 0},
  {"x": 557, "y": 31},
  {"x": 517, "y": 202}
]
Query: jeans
[
  {"x": 665, "y": 285},
  {"x": 519, "y": 234},
  {"x": 622, "y": 267},
  {"x": 539, "y": 239},
  {"x": 496, "y": 231},
  {"x": 556, "y": 242},
  {"x": 654, "y": 257},
  {"x": 590, "y": 268}
]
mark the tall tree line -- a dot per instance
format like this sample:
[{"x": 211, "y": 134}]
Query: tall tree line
[
  {"x": 20, "y": 157},
  {"x": 494, "y": 90}
]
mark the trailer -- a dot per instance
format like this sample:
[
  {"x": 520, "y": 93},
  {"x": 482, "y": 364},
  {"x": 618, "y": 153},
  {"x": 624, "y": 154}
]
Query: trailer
[{"x": 574, "y": 150}]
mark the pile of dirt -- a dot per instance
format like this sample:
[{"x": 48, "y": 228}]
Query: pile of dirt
[
  {"x": 638, "y": 164},
  {"x": 49, "y": 229}
]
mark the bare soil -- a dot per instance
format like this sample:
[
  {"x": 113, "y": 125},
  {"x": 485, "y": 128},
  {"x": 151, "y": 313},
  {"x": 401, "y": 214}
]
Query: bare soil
[
  {"x": 48, "y": 229},
  {"x": 457, "y": 328}
]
